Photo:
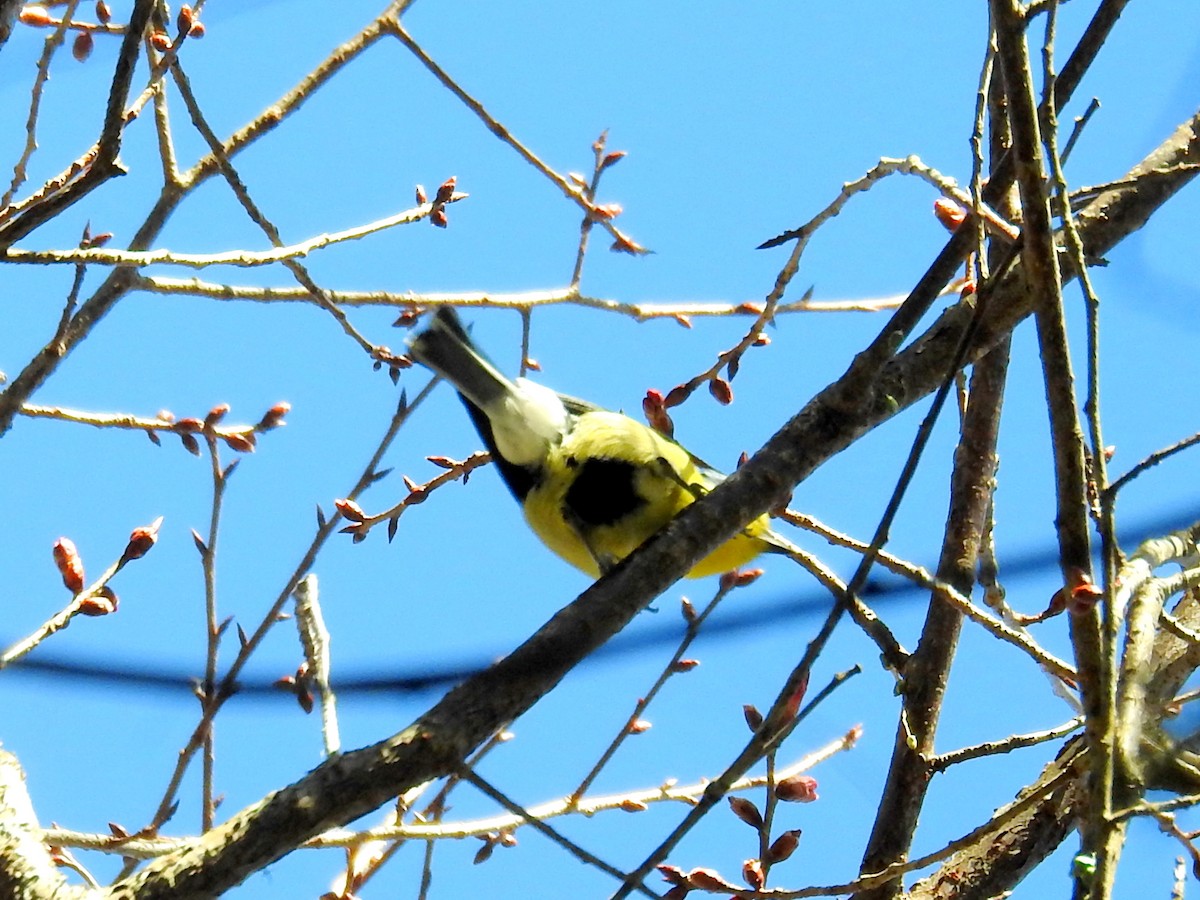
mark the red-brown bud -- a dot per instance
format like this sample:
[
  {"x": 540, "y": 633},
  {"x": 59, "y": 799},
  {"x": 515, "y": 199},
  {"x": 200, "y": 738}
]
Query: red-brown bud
[
  {"x": 739, "y": 578},
  {"x": 242, "y": 443},
  {"x": 439, "y": 218},
  {"x": 305, "y": 699},
  {"x": 752, "y": 874},
  {"x": 484, "y": 853},
  {"x": 273, "y": 417},
  {"x": 141, "y": 539},
  {"x": 721, "y": 390},
  {"x": 408, "y": 318},
  {"x": 445, "y": 190},
  {"x": 1083, "y": 595},
  {"x": 796, "y": 697},
  {"x": 797, "y": 789},
  {"x": 784, "y": 846},
  {"x": 653, "y": 408},
  {"x": 624, "y": 245},
  {"x": 216, "y": 414},
  {"x": 612, "y": 158},
  {"x": 676, "y": 395},
  {"x": 631, "y": 805},
  {"x": 949, "y": 213},
  {"x": 350, "y": 510},
  {"x": 747, "y": 576},
  {"x": 709, "y": 880},
  {"x": 1078, "y": 596},
  {"x": 81, "y": 47},
  {"x": 101, "y": 603},
  {"x": 185, "y": 18},
  {"x": 299, "y": 685},
  {"x": 160, "y": 41},
  {"x": 69, "y": 564},
  {"x": 685, "y": 665},
  {"x": 103, "y": 13},
  {"x": 746, "y": 811},
  {"x": 639, "y": 726},
  {"x": 754, "y": 718}
]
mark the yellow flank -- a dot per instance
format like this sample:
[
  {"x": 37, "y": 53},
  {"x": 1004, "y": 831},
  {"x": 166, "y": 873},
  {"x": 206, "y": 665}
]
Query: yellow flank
[{"x": 608, "y": 435}]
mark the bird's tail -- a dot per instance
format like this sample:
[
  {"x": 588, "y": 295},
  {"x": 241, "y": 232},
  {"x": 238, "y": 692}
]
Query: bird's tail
[
  {"x": 446, "y": 348},
  {"x": 520, "y": 420}
]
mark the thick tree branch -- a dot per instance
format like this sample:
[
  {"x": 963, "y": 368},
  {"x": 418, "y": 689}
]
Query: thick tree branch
[
  {"x": 928, "y": 670},
  {"x": 1039, "y": 258},
  {"x": 27, "y": 871}
]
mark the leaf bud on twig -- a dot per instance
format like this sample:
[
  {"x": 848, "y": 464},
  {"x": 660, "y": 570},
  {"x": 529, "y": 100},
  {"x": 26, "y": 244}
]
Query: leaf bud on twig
[
  {"x": 69, "y": 564},
  {"x": 141, "y": 539}
]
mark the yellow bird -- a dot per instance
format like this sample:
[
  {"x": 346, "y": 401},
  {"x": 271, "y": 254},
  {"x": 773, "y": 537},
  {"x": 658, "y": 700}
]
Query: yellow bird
[{"x": 593, "y": 484}]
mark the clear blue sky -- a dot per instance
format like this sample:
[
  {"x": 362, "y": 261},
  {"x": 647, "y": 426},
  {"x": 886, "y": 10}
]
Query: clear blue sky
[{"x": 740, "y": 121}]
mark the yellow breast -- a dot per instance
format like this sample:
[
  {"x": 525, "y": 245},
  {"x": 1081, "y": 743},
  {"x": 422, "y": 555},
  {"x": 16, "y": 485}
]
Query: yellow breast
[{"x": 610, "y": 485}]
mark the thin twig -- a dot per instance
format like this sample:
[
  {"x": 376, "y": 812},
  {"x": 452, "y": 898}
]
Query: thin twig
[
  {"x": 538, "y": 825},
  {"x": 314, "y": 637},
  {"x": 571, "y": 190},
  {"x": 1077, "y": 130},
  {"x": 213, "y": 628},
  {"x": 130, "y": 422},
  {"x": 1149, "y": 462},
  {"x": 519, "y": 300},
  {"x": 695, "y": 621},
  {"x": 943, "y": 761},
  {"x": 242, "y": 258},
  {"x": 909, "y": 165},
  {"x": 585, "y": 228}
]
